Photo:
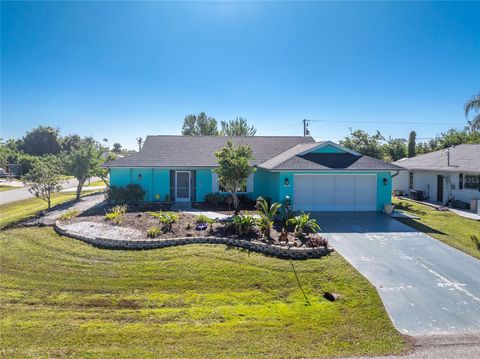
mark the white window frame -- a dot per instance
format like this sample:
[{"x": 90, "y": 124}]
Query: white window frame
[
  {"x": 249, "y": 186},
  {"x": 465, "y": 181}
]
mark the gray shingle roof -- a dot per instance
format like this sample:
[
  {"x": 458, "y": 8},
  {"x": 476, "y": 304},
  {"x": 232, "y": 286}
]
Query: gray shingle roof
[
  {"x": 199, "y": 151},
  {"x": 333, "y": 161},
  {"x": 463, "y": 158}
]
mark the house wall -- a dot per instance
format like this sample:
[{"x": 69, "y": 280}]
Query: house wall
[
  {"x": 204, "y": 183},
  {"x": 427, "y": 181},
  {"x": 384, "y": 192},
  {"x": 328, "y": 149}
]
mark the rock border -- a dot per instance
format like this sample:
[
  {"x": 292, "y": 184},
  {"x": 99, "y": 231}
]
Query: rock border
[{"x": 255, "y": 246}]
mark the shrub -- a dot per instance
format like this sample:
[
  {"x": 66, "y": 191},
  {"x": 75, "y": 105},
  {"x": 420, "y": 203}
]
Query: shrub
[
  {"x": 215, "y": 198},
  {"x": 202, "y": 219},
  {"x": 268, "y": 210},
  {"x": 69, "y": 215},
  {"x": 303, "y": 224},
  {"x": 265, "y": 224},
  {"x": 132, "y": 193},
  {"x": 475, "y": 241},
  {"x": 116, "y": 214},
  {"x": 167, "y": 219},
  {"x": 317, "y": 242},
  {"x": 287, "y": 209},
  {"x": 243, "y": 224},
  {"x": 153, "y": 232}
]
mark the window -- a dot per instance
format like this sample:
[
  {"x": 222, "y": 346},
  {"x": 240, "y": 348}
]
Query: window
[
  {"x": 471, "y": 182},
  {"x": 410, "y": 180},
  {"x": 243, "y": 188}
]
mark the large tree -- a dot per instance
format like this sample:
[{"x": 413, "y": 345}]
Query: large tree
[
  {"x": 40, "y": 141},
  {"x": 44, "y": 178},
  {"x": 395, "y": 149},
  {"x": 362, "y": 142},
  {"x": 117, "y": 147},
  {"x": 412, "y": 144},
  {"x": 237, "y": 127},
  {"x": 233, "y": 169},
  {"x": 199, "y": 125},
  {"x": 473, "y": 105},
  {"x": 84, "y": 162}
]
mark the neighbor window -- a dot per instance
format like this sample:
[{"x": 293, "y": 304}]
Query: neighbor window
[
  {"x": 410, "y": 180},
  {"x": 471, "y": 182}
]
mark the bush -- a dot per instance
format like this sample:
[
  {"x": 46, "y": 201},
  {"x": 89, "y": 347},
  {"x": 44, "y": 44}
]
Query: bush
[
  {"x": 132, "y": 193},
  {"x": 153, "y": 232},
  {"x": 245, "y": 200},
  {"x": 303, "y": 224},
  {"x": 243, "y": 224},
  {"x": 116, "y": 214},
  {"x": 317, "y": 242},
  {"x": 268, "y": 210},
  {"x": 202, "y": 219},
  {"x": 167, "y": 219},
  {"x": 265, "y": 224},
  {"x": 69, "y": 215},
  {"x": 214, "y": 198}
]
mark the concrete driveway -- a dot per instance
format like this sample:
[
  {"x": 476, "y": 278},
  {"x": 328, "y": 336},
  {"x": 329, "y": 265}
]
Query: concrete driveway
[{"x": 427, "y": 287}]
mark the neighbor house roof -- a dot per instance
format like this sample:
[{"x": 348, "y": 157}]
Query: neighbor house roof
[
  {"x": 463, "y": 158},
  {"x": 199, "y": 151},
  {"x": 270, "y": 152}
]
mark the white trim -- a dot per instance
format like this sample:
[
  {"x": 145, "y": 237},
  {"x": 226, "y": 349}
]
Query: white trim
[
  {"x": 330, "y": 143},
  {"x": 182, "y": 199}
]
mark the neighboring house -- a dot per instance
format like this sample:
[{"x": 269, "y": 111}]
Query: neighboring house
[
  {"x": 453, "y": 173},
  {"x": 319, "y": 176}
]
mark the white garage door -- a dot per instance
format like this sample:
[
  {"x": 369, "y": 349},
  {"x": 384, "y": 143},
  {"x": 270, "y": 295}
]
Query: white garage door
[{"x": 335, "y": 192}]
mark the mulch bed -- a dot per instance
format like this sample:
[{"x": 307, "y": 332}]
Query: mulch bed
[{"x": 185, "y": 227}]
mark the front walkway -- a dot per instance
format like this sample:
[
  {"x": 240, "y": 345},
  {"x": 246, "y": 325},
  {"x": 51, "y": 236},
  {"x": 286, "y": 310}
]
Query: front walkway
[
  {"x": 437, "y": 205},
  {"x": 427, "y": 287}
]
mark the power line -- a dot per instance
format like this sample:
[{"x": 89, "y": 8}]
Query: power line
[{"x": 385, "y": 122}]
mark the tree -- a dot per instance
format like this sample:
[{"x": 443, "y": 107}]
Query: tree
[
  {"x": 83, "y": 163},
  {"x": 362, "y": 142},
  {"x": 71, "y": 142},
  {"x": 237, "y": 127},
  {"x": 412, "y": 138},
  {"x": 103, "y": 173},
  {"x": 44, "y": 178},
  {"x": 200, "y": 125},
  {"x": 395, "y": 149},
  {"x": 233, "y": 169},
  {"x": 139, "y": 143},
  {"x": 117, "y": 148},
  {"x": 41, "y": 141},
  {"x": 473, "y": 105}
]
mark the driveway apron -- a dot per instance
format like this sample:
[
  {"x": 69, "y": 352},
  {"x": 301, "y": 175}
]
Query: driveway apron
[{"x": 426, "y": 286}]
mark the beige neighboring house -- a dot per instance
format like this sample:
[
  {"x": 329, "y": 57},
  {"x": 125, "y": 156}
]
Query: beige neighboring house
[{"x": 449, "y": 174}]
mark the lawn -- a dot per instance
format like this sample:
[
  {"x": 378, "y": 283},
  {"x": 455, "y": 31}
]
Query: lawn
[
  {"x": 95, "y": 184},
  {"x": 60, "y": 297},
  {"x": 19, "y": 210},
  {"x": 442, "y": 225},
  {"x": 8, "y": 188}
]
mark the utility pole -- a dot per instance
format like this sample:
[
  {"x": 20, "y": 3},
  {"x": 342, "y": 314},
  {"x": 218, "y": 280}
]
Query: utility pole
[{"x": 306, "y": 132}]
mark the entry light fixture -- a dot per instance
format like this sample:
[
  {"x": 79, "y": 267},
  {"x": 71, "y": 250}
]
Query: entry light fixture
[
  {"x": 385, "y": 181},
  {"x": 287, "y": 181},
  {"x": 140, "y": 177}
]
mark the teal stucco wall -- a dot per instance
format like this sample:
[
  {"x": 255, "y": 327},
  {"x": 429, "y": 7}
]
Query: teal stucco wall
[
  {"x": 328, "y": 149},
  {"x": 204, "y": 183}
]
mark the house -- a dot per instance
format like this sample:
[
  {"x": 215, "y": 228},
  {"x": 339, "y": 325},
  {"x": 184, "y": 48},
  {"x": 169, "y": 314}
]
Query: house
[
  {"x": 320, "y": 176},
  {"x": 453, "y": 173}
]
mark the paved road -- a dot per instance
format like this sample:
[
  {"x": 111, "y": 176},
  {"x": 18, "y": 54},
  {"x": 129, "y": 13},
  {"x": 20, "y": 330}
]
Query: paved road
[
  {"x": 23, "y": 193},
  {"x": 427, "y": 287}
]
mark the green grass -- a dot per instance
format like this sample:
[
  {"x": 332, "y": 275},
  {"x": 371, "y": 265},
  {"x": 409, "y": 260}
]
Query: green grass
[
  {"x": 95, "y": 184},
  {"x": 62, "y": 298},
  {"x": 20, "y": 210},
  {"x": 8, "y": 188},
  {"x": 442, "y": 225}
]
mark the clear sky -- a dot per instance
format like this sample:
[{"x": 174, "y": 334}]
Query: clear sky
[{"x": 128, "y": 69}]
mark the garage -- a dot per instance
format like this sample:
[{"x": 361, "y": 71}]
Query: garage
[{"x": 342, "y": 192}]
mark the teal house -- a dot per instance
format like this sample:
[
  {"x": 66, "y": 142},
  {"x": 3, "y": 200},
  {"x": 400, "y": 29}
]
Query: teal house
[{"x": 316, "y": 176}]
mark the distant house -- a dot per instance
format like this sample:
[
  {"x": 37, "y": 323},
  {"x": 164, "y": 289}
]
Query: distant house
[
  {"x": 316, "y": 176},
  {"x": 452, "y": 173}
]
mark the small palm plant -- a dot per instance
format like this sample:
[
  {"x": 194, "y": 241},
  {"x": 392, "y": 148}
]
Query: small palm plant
[
  {"x": 265, "y": 222},
  {"x": 303, "y": 224}
]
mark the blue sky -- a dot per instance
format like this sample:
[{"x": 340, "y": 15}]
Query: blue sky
[{"x": 124, "y": 70}]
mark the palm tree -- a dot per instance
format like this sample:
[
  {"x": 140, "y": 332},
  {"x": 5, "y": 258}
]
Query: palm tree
[
  {"x": 474, "y": 104},
  {"x": 139, "y": 143}
]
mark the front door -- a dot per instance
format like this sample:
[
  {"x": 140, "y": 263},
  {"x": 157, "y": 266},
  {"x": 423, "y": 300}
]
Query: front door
[
  {"x": 440, "y": 188},
  {"x": 182, "y": 186}
]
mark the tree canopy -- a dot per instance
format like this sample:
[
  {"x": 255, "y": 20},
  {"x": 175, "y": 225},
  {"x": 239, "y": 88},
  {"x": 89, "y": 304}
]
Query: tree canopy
[
  {"x": 42, "y": 140},
  {"x": 237, "y": 127},
  {"x": 362, "y": 142},
  {"x": 199, "y": 125},
  {"x": 473, "y": 104},
  {"x": 233, "y": 168},
  {"x": 412, "y": 143}
]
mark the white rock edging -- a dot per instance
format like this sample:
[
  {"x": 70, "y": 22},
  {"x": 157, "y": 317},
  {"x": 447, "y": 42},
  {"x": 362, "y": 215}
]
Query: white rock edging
[{"x": 147, "y": 243}]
